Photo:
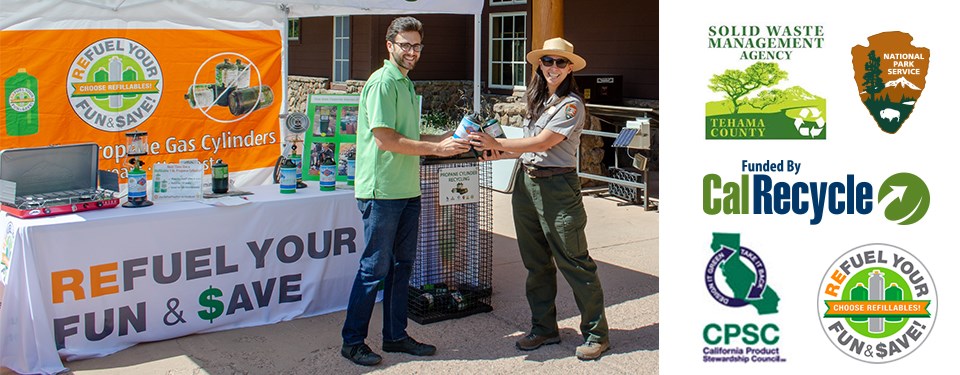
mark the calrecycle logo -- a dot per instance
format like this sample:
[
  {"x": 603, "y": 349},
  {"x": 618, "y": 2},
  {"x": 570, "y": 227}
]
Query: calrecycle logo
[
  {"x": 877, "y": 303},
  {"x": 903, "y": 197}
]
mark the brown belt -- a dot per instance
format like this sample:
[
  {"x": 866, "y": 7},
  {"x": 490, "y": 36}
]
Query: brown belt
[{"x": 538, "y": 172}]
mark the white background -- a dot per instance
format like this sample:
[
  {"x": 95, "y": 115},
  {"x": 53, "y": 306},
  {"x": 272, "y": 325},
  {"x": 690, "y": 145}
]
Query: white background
[{"x": 797, "y": 254}]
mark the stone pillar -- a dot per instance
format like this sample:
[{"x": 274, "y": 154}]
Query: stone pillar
[{"x": 591, "y": 153}]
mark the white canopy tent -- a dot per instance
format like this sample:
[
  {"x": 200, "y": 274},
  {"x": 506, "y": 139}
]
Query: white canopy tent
[
  {"x": 29, "y": 347},
  {"x": 229, "y": 14}
]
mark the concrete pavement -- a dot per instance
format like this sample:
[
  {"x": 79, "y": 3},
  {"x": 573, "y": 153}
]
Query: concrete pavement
[{"x": 624, "y": 240}]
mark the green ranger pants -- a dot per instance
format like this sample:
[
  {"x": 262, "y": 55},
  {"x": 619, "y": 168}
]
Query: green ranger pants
[{"x": 550, "y": 220}]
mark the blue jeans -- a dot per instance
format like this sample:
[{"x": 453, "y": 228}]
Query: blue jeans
[{"x": 390, "y": 228}]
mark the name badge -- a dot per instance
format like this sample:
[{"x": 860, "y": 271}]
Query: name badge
[{"x": 552, "y": 110}]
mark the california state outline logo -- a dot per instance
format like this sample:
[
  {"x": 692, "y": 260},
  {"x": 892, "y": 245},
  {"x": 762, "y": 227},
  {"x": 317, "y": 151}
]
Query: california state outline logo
[
  {"x": 114, "y": 84},
  {"x": 891, "y": 73},
  {"x": 877, "y": 303}
]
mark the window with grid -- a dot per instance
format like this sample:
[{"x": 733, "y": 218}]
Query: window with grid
[
  {"x": 508, "y": 48},
  {"x": 293, "y": 29},
  {"x": 507, "y": 2},
  {"x": 341, "y": 48}
]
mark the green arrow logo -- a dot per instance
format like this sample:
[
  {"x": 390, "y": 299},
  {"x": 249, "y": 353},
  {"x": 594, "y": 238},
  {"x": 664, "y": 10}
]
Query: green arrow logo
[{"x": 905, "y": 198}]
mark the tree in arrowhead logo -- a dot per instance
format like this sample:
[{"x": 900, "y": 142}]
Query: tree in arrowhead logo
[{"x": 890, "y": 73}]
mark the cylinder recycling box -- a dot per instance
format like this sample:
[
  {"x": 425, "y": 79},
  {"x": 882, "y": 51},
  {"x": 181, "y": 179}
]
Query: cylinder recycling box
[{"x": 21, "y": 108}]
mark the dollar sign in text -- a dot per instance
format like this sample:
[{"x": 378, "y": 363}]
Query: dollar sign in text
[{"x": 213, "y": 305}]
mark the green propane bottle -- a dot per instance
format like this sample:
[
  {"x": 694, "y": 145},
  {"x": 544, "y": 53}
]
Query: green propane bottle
[
  {"x": 22, "y": 113},
  {"x": 351, "y": 168},
  {"x": 225, "y": 72},
  {"x": 893, "y": 293},
  {"x": 246, "y": 100},
  {"x": 328, "y": 175},
  {"x": 859, "y": 293},
  {"x": 129, "y": 75},
  {"x": 220, "y": 177},
  {"x": 288, "y": 177}
]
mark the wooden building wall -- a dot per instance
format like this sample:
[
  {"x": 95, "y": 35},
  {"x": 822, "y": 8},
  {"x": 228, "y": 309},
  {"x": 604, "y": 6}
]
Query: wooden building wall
[
  {"x": 447, "y": 55},
  {"x": 618, "y": 37}
]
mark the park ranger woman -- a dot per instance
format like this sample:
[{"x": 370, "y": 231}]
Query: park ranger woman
[{"x": 547, "y": 208}]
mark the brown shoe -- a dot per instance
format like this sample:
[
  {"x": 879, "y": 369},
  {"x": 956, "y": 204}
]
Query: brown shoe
[
  {"x": 533, "y": 341},
  {"x": 592, "y": 350}
]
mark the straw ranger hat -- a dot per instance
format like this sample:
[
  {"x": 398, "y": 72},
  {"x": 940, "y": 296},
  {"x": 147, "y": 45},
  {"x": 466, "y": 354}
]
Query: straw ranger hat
[{"x": 557, "y": 47}]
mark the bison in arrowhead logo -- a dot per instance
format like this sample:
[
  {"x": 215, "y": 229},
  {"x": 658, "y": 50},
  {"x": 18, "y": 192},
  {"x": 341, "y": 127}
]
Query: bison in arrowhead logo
[{"x": 890, "y": 73}]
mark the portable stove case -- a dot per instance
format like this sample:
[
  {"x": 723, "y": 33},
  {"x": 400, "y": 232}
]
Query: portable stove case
[{"x": 45, "y": 181}]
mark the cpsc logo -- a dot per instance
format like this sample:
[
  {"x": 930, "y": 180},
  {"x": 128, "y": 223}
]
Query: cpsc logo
[
  {"x": 114, "y": 84},
  {"x": 737, "y": 277},
  {"x": 877, "y": 303},
  {"x": 903, "y": 197}
]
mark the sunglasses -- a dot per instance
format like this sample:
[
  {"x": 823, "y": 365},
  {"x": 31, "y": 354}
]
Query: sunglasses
[
  {"x": 547, "y": 61},
  {"x": 407, "y": 46}
]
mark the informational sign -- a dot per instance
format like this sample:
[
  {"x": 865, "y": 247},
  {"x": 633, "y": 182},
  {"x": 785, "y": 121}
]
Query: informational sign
[
  {"x": 183, "y": 181},
  {"x": 332, "y": 134},
  {"x": 459, "y": 185},
  {"x": 202, "y": 89}
]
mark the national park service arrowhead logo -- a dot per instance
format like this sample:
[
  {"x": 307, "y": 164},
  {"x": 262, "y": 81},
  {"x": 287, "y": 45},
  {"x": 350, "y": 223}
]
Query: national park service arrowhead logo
[{"x": 890, "y": 73}]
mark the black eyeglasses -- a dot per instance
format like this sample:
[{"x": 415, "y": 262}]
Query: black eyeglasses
[
  {"x": 407, "y": 46},
  {"x": 548, "y": 61}
]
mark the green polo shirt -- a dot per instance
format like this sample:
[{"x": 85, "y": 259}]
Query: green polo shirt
[{"x": 387, "y": 101}]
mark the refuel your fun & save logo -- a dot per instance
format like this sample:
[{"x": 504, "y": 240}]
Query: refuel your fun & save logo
[
  {"x": 114, "y": 84},
  {"x": 877, "y": 303},
  {"x": 761, "y": 189}
]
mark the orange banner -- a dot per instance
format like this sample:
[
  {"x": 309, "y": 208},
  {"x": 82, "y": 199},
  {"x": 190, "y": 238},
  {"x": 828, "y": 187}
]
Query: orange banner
[
  {"x": 199, "y": 94},
  {"x": 877, "y": 308}
]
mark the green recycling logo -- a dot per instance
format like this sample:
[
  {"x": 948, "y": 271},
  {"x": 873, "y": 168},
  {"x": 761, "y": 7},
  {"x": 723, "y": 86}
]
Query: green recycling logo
[
  {"x": 809, "y": 122},
  {"x": 905, "y": 198}
]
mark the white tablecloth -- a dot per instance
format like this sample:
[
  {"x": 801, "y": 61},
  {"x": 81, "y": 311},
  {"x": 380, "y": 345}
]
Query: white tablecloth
[{"x": 93, "y": 283}]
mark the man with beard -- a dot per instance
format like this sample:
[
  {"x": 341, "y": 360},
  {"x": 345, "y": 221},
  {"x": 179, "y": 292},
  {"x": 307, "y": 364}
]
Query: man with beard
[{"x": 389, "y": 146}]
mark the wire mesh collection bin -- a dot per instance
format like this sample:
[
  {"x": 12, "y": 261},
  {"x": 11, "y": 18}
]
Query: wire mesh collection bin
[{"x": 452, "y": 276}]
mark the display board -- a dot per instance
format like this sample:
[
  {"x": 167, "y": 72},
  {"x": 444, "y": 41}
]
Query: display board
[{"x": 332, "y": 134}]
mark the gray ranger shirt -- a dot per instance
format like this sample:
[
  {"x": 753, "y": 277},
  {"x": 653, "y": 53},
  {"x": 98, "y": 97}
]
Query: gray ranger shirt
[{"x": 564, "y": 116}]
